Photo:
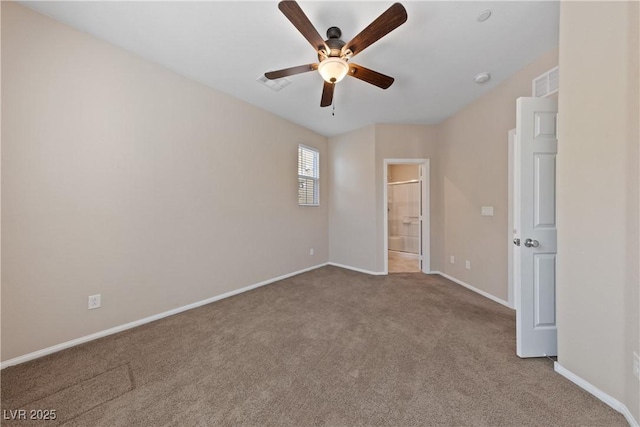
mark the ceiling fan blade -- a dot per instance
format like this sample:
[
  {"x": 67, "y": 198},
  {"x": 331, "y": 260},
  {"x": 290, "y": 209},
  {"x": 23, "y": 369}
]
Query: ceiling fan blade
[
  {"x": 272, "y": 75},
  {"x": 391, "y": 19},
  {"x": 294, "y": 13},
  {"x": 370, "y": 76},
  {"x": 327, "y": 94}
]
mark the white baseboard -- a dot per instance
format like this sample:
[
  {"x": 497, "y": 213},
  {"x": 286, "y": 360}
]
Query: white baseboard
[
  {"x": 474, "y": 289},
  {"x": 120, "y": 328},
  {"x": 359, "y": 270},
  {"x": 587, "y": 386}
]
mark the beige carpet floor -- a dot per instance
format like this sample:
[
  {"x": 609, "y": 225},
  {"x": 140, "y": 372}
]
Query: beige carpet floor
[{"x": 328, "y": 347}]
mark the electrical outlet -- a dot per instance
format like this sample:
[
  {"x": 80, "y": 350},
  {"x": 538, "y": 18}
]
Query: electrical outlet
[
  {"x": 452, "y": 259},
  {"x": 311, "y": 252},
  {"x": 94, "y": 301},
  {"x": 467, "y": 265},
  {"x": 636, "y": 365}
]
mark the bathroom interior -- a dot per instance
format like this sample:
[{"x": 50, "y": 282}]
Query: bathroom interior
[{"x": 403, "y": 208}]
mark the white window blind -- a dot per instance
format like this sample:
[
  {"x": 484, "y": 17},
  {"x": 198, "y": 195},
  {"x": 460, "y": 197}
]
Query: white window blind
[{"x": 308, "y": 176}]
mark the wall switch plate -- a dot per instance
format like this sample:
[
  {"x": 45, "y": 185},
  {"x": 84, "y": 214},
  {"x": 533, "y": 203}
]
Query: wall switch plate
[
  {"x": 636, "y": 365},
  {"x": 94, "y": 301},
  {"x": 467, "y": 265},
  {"x": 452, "y": 259},
  {"x": 486, "y": 211},
  {"x": 311, "y": 251}
]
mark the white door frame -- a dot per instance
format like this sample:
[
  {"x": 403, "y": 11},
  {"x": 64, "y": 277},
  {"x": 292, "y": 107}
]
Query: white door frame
[
  {"x": 425, "y": 244},
  {"x": 513, "y": 196}
]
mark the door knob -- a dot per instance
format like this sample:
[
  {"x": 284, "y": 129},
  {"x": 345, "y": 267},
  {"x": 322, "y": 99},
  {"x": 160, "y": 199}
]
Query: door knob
[
  {"x": 531, "y": 243},
  {"x": 516, "y": 241}
]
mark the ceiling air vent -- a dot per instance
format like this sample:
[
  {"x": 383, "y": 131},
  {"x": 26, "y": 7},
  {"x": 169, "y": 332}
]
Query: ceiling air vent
[
  {"x": 547, "y": 83},
  {"x": 273, "y": 84}
]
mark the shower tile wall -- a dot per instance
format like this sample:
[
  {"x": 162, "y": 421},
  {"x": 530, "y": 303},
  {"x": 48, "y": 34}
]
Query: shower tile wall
[{"x": 404, "y": 211}]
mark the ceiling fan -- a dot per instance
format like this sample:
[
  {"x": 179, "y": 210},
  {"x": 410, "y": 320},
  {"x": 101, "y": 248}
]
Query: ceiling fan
[{"x": 334, "y": 54}]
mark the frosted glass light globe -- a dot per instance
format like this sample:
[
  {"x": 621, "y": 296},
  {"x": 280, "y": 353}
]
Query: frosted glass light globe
[{"x": 333, "y": 70}]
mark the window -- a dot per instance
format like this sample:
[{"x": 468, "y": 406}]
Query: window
[{"x": 308, "y": 176}]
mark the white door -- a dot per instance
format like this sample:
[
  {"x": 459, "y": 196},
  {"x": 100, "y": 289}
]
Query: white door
[
  {"x": 536, "y": 330},
  {"x": 420, "y": 218}
]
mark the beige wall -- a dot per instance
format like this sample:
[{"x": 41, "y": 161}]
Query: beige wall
[
  {"x": 356, "y": 212},
  {"x": 352, "y": 199},
  {"x": 474, "y": 171},
  {"x": 632, "y": 285},
  {"x": 0, "y": 186},
  {"x": 598, "y": 295},
  {"x": 404, "y": 142},
  {"x": 122, "y": 178}
]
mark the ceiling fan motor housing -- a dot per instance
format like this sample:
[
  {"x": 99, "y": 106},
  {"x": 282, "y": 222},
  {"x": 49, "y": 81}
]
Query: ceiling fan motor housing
[
  {"x": 334, "y": 33},
  {"x": 333, "y": 41}
]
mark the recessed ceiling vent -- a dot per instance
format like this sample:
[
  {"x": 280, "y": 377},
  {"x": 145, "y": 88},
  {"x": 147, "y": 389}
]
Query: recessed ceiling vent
[
  {"x": 547, "y": 83},
  {"x": 276, "y": 84}
]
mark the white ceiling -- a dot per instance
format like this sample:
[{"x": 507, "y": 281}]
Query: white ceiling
[{"x": 227, "y": 45}]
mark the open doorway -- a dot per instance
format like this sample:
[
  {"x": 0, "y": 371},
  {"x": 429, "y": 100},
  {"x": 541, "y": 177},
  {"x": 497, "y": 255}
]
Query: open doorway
[{"x": 406, "y": 216}]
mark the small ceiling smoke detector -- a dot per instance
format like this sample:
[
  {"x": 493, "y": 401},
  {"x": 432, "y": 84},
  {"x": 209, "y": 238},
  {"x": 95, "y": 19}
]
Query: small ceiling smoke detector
[
  {"x": 482, "y": 78},
  {"x": 484, "y": 15}
]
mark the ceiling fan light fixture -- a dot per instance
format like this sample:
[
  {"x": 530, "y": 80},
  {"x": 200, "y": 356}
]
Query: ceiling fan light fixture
[{"x": 333, "y": 69}]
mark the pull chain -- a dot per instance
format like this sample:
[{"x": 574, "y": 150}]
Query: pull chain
[{"x": 333, "y": 111}]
